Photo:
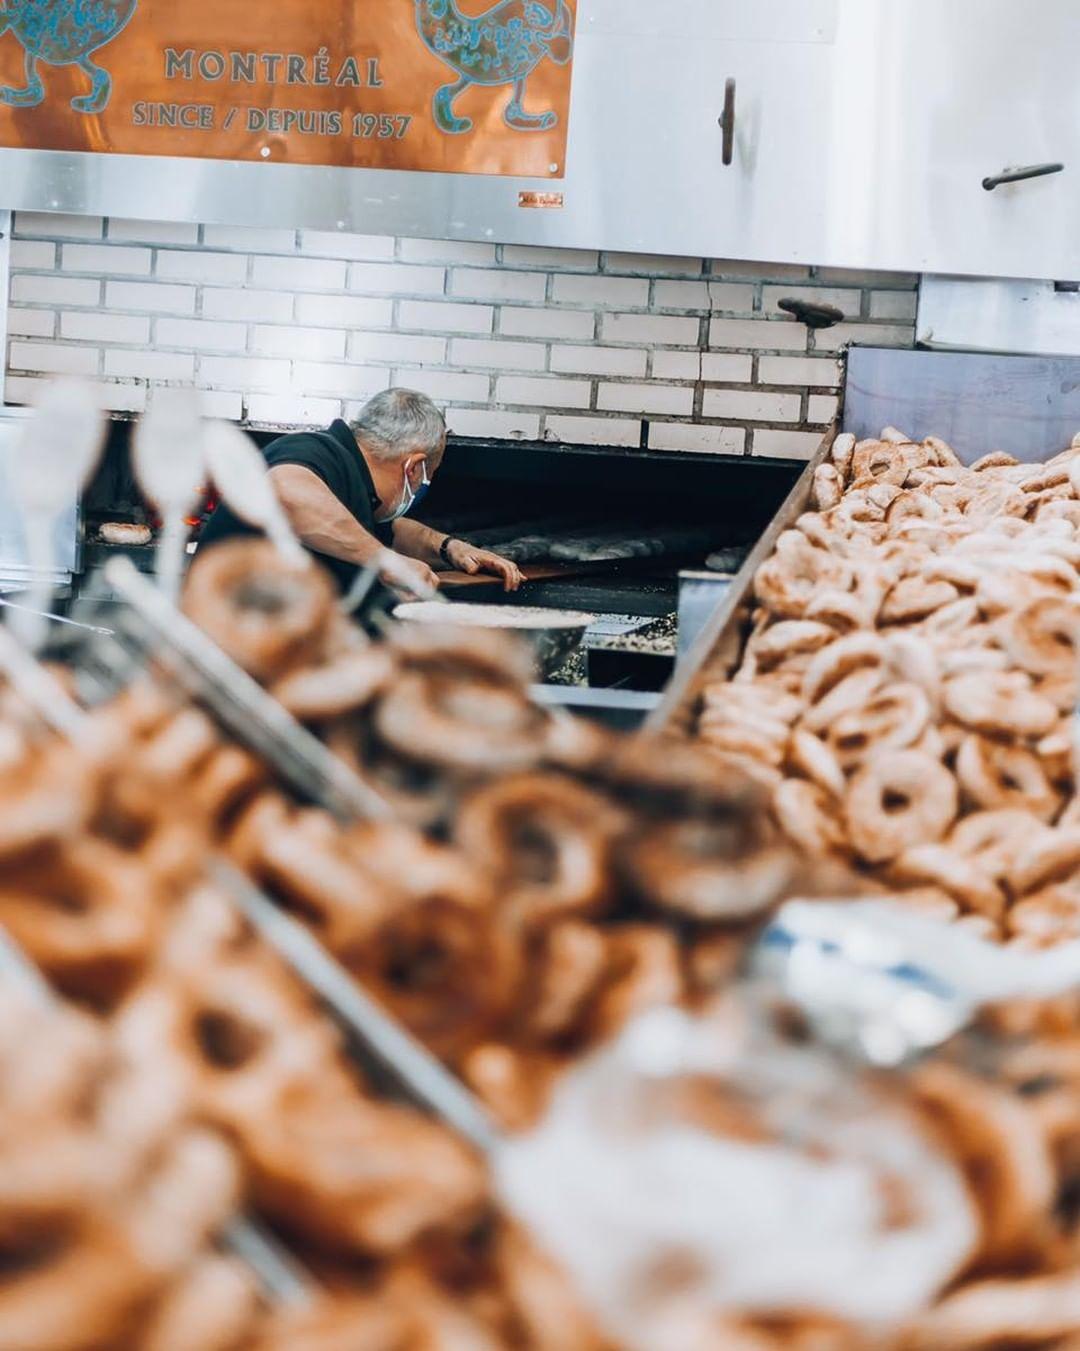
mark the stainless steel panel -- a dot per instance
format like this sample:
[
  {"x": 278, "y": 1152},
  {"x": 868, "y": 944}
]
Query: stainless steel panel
[
  {"x": 994, "y": 315},
  {"x": 864, "y": 131},
  {"x": 699, "y": 595},
  {"x": 14, "y": 556},
  {"x": 1028, "y": 406}
]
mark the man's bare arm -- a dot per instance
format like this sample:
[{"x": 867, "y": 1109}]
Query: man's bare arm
[
  {"x": 325, "y": 526},
  {"x": 319, "y": 518},
  {"x": 418, "y": 541}
]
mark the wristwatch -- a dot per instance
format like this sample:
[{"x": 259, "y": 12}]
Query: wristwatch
[{"x": 444, "y": 550}]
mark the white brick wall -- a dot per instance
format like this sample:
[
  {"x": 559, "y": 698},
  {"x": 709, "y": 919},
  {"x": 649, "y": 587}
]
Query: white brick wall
[{"x": 286, "y": 328}]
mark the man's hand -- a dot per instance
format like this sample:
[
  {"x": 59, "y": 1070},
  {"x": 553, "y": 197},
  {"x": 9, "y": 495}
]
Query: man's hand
[
  {"x": 468, "y": 558},
  {"x": 407, "y": 576}
]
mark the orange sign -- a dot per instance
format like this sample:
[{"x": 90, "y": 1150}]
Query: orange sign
[{"x": 454, "y": 86}]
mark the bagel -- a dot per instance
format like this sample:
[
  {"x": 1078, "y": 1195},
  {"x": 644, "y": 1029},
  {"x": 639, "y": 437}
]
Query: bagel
[
  {"x": 897, "y": 800},
  {"x": 895, "y": 716},
  {"x": 1000, "y": 702},
  {"x": 547, "y": 843},
  {"x": 1044, "y": 637},
  {"x": 833, "y": 663},
  {"x": 460, "y": 724},
  {"x": 266, "y": 613},
  {"x": 998, "y": 777}
]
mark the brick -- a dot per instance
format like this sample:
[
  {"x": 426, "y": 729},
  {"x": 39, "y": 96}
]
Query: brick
[
  {"x": 344, "y": 312},
  {"x": 731, "y": 298},
  {"x": 721, "y": 267},
  {"x": 654, "y": 330},
  {"x": 684, "y": 295},
  {"x": 244, "y": 239},
  {"x": 53, "y": 358},
  {"x": 248, "y": 306},
  {"x": 554, "y": 260},
  {"x": 592, "y": 431},
  {"x": 678, "y": 365},
  {"x": 446, "y": 251},
  {"x": 673, "y": 399},
  {"x": 221, "y": 403},
  {"x": 498, "y": 356},
  {"x": 600, "y": 291},
  {"x": 809, "y": 371},
  {"x": 725, "y": 368},
  {"x": 543, "y": 393},
  {"x": 55, "y": 291},
  {"x": 145, "y": 365},
  {"x": 394, "y": 279},
  {"x": 539, "y": 323},
  {"x": 503, "y": 424},
  {"x": 303, "y": 344},
  {"x": 752, "y": 405},
  {"x": 99, "y": 326},
  {"x": 213, "y": 269},
  {"x": 848, "y": 301},
  {"x": 697, "y": 438},
  {"x": 106, "y": 260},
  {"x": 33, "y": 253},
  {"x": 198, "y": 265},
  {"x": 31, "y": 323},
  {"x": 759, "y": 334},
  {"x": 865, "y": 335},
  {"x": 349, "y": 382},
  {"x": 599, "y": 361},
  {"x": 245, "y": 373},
  {"x": 444, "y": 317},
  {"x": 201, "y": 335},
  {"x": 822, "y": 408},
  {"x": 291, "y": 410},
  {"x": 21, "y": 389},
  {"x": 503, "y": 285},
  {"x": 301, "y": 274},
  {"x": 55, "y": 225},
  {"x": 152, "y": 231},
  {"x": 652, "y": 264},
  {"x": 894, "y": 305},
  {"x": 862, "y": 277},
  {"x": 785, "y": 445},
  {"x": 391, "y": 348},
  {"x": 150, "y": 297},
  {"x": 447, "y": 386},
  {"x": 120, "y": 396},
  {"x": 337, "y": 244}
]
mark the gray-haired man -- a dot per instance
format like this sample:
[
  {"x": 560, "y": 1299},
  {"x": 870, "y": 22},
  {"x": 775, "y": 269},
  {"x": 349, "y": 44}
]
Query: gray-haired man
[{"x": 347, "y": 491}]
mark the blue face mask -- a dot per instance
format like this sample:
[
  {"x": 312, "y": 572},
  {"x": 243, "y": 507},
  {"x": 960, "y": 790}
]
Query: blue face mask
[{"x": 410, "y": 497}]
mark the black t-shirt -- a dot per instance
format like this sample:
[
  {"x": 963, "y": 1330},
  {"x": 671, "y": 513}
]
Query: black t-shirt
[{"x": 335, "y": 457}]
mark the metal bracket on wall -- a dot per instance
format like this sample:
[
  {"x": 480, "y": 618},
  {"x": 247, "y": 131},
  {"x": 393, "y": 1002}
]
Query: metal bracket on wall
[{"x": 6, "y": 218}]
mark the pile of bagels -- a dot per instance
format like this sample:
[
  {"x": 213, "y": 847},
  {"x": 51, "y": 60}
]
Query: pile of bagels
[
  {"x": 164, "y": 1078},
  {"x": 908, "y": 686},
  {"x": 537, "y": 881}
]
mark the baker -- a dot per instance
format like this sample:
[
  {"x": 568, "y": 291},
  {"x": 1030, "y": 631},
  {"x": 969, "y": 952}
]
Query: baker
[{"x": 347, "y": 492}]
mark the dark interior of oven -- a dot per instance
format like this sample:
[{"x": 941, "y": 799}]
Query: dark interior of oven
[{"x": 603, "y": 530}]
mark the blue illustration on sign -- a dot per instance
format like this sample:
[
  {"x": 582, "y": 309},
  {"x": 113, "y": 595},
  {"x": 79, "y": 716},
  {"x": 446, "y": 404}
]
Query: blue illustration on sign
[
  {"x": 64, "y": 33},
  {"x": 503, "y": 46}
]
